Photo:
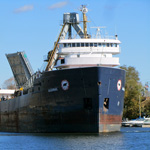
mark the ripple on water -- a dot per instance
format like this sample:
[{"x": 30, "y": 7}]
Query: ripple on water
[{"x": 128, "y": 138}]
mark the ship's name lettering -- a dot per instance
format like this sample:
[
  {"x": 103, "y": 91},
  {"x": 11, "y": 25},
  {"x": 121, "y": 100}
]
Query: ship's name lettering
[{"x": 53, "y": 90}]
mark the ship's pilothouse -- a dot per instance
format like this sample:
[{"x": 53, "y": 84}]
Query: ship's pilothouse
[{"x": 86, "y": 51}]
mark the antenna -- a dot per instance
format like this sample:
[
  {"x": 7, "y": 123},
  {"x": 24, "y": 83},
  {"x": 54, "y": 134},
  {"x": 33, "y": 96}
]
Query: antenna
[
  {"x": 115, "y": 30},
  {"x": 84, "y": 10},
  {"x": 98, "y": 34}
]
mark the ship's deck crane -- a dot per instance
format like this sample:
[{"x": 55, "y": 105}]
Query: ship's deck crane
[{"x": 69, "y": 19}]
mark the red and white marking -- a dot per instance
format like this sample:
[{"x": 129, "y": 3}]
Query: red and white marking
[{"x": 119, "y": 85}]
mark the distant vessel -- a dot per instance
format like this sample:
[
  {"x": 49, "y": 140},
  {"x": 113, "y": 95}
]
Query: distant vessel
[
  {"x": 146, "y": 123},
  {"x": 139, "y": 122},
  {"x": 82, "y": 94},
  {"x": 133, "y": 123}
]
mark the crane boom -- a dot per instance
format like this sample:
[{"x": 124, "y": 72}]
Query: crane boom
[{"x": 51, "y": 59}]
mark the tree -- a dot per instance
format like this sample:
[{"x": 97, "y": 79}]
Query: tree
[
  {"x": 146, "y": 107},
  {"x": 132, "y": 93},
  {"x": 9, "y": 84}
]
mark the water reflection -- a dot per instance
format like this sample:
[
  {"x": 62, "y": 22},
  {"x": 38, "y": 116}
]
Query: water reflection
[{"x": 128, "y": 138}]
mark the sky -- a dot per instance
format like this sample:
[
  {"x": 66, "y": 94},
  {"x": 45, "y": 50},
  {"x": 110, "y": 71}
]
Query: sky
[{"x": 34, "y": 25}]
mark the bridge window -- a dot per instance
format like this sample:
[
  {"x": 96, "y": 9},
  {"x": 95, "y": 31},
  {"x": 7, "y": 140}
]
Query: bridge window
[
  {"x": 111, "y": 45},
  {"x": 78, "y": 44},
  {"x": 82, "y": 44},
  {"x": 69, "y": 44},
  {"x": 87, "y": 44},
  {"x": 73, "y": 44},
  {"x": 104, "y": 45},
  {"x": 95, "y": 44},
  {"x": 115, "y": 44},
  {"x": 99, "y": 44},
  {"x": 65, "y": 45},
  {"x": 91, "y": 44}
]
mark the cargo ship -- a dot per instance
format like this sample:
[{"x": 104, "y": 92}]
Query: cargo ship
[{"x": 81, "y": 89}]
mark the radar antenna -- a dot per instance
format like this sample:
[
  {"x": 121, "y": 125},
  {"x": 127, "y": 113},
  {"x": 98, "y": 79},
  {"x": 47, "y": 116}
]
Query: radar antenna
[{"x": 98, "y": 34}]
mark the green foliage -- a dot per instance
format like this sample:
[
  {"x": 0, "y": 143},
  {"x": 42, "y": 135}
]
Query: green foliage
[
  {"x": 132, "y": 93},
  {"x": 146, "y": 109}
]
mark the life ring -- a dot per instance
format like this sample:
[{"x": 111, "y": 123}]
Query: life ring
[
  {"x": 64, "y": 85},
  {"x": 119, "y": 85}
]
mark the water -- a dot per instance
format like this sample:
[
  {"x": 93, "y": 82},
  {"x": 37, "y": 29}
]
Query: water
[{"x": 127, "y": 139}]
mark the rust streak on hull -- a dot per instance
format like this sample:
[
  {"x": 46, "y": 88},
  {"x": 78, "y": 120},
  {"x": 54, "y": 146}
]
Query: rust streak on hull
[{"x": 110, "y": 119}]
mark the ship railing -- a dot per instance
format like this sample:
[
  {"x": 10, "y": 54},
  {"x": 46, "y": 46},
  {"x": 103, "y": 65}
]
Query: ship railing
[
  {"x": 29, "y": 83},
  {"x": 95, "y": 37}
]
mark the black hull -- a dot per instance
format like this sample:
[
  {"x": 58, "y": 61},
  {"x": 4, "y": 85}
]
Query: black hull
[{"x": 76, "y": 105}]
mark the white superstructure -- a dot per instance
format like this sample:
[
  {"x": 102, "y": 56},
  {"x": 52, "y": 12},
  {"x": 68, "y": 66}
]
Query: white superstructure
[
  {"x": 84, "y": 52},
  {"x": 87, "y": 52}
]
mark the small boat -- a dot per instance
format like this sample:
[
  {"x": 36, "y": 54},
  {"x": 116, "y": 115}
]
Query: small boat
[
  {"x": 146, "y": 123},
  {"x": 133, "y": 123}
]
